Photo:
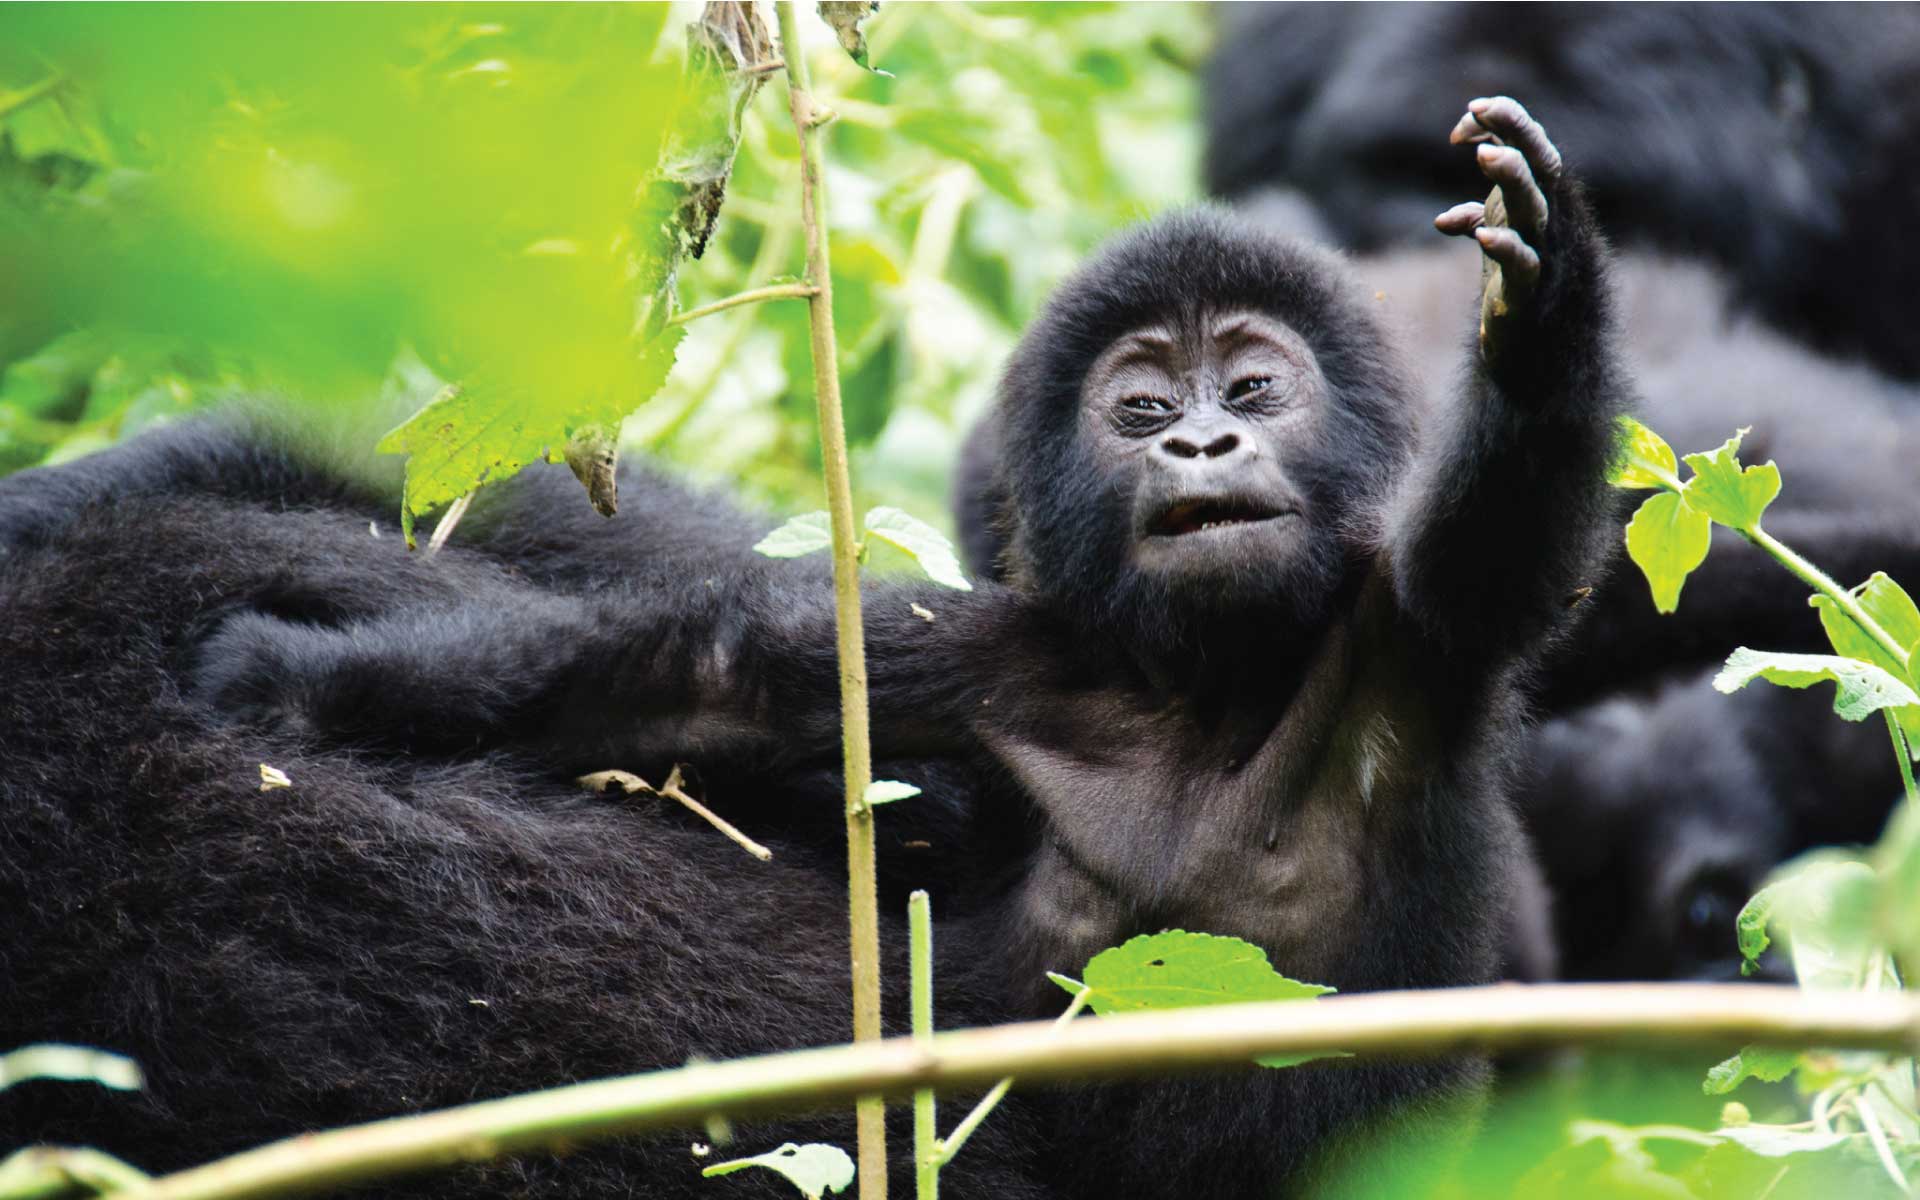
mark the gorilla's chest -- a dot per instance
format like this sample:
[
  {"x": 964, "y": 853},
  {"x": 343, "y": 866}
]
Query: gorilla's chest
[{"x": 1268, "y": 828}]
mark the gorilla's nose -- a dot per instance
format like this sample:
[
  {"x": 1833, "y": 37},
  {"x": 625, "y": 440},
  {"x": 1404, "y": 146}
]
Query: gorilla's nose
[{"x": 1182, "y": 447}]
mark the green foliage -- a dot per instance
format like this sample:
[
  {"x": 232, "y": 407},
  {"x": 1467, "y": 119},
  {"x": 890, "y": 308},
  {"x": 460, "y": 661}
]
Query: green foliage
[
  {"x": 1766, "y": 1063},
  {"x": 1643, "y": 459},
  {"x": 1726, "y": 492},
  {"x": 1863, "y": 690},
  {"x": 1667, "y": 539},
  {"x": 927, "y": 545},
  {"x": 78, "y": 1064},
  {"x": 815, "y": 1168},
  {"x": 1888, "y": 604},
  {"x": 807, "y": 533},
  {"x": 1176, "y": 969}
]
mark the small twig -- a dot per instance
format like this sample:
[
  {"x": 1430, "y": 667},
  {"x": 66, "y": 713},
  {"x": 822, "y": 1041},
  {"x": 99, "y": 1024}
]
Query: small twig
[
  {"x": 950, "y": 1145},
  {"x": 448, "y": 523},
  {"x": 1863, "y": 1108},
  {"x": 777, "y": 291},
  {"x": 630, "y": 783},
  {"x": 765, "y": 68}
]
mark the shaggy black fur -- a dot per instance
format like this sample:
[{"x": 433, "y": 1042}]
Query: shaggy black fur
[
  {"x": 432, "y": 913},
  {"x": 1781, "y": 142}
]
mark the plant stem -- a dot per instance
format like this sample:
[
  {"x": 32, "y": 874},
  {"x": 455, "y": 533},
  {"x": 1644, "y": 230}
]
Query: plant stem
[
  {"x": 775, "y": 291},
  {"x": 1903, "y": 752},
  {"x": 1391, "y": 1024},
  {"x": 964, "y": 1130},
  {"x": 57, "y": 1172},
  {"x": 11, "y": 103},
  {"x": 1823, "y": 583},
  {"x": 926, "y": 1140},
  {"x": 863, "y": 903}
]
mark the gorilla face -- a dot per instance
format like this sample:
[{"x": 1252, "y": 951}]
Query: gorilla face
[{"x": 1200, "y": 426}]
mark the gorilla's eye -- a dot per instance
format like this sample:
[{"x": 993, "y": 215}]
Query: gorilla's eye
[
  {"x": 1242, "y": 388},
  {"x": 1142, "y": 415}
]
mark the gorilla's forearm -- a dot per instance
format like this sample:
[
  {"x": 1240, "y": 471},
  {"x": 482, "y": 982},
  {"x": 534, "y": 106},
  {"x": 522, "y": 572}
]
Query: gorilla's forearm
[
  {"x": 741, "y": 670},
  {"x": 1501, "y": 520}
]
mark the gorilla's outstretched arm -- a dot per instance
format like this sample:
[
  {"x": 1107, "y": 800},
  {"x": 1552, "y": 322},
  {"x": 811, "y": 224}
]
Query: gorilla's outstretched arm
[{"x": 1497, "y": 524}]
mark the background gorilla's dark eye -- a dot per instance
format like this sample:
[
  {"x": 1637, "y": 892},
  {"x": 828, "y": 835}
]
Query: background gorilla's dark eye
[
  {"x": 1146, "y": 404},
  {"x": 1248, "y": 386}
]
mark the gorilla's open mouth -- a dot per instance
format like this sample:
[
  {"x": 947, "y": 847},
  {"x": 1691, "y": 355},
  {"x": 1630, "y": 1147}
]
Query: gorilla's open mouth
[{"x": 1193, "y": 516}]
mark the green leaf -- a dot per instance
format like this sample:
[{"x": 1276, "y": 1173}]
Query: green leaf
[
  {"x": 1643, "y": 459},
  {"x": 815, "y": 1168},
  {"x": 1175, "y": 969},
  {"x": 1726, "y": 492},
  {"x": 1667, "y": 539},
  {"x": 77, "y": 1064},
  {"x": 1775, "y": 1141},
  {"x": 1898, "y": 860},
  {"x": 886, "y": 791},
  {"x": 928, "y": 546},
  {"x": 800, "y": 535},
  {"x": 1823, "y": 907},
  {"x": 466, "y": 438},
  {"x": 1863, "y": 689},
  {"x": 1894, "y": 611},
  {"x": 1769, "y": 1064}
]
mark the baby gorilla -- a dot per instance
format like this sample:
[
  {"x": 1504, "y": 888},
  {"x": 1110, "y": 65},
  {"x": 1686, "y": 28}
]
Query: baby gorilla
[{"x": 1254, "y": 674}]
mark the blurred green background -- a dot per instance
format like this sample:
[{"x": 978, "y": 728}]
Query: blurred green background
[{"x": 346, "y": 206}]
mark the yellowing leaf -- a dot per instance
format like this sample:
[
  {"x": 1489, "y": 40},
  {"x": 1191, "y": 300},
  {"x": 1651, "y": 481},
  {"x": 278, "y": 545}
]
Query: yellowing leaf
[
  {"x": 1643, "y": 459},
  {"x": 1667, "y": 539}
]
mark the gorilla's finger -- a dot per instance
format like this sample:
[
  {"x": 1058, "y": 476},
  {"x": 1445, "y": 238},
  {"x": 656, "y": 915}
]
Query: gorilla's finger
[
  {"x": 1526, "y": 205},
  {"x": 1510, "y": 123},
  {"x": 1469, "y": 129},
  {"x": 1517, "y": 260},
  {"x": 1461, "y": 219}
]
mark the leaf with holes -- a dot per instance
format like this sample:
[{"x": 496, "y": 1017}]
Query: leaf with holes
[
  {"x": 1667, "y": 539},
  {"x": 1642, "y": 459},
  {"x": 815, "y": 1168},
  {"x": 803, "y": 534},
  {"x": 1175, "y": 969},
  {"x": 1733, "y": 495},
  {"x": 928, "y": 546},
  {"x": 1862, "y": 688}
]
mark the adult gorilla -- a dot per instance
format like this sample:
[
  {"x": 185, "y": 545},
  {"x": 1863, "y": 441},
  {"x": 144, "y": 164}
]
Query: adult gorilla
[{"x": 1254, "y": 675}]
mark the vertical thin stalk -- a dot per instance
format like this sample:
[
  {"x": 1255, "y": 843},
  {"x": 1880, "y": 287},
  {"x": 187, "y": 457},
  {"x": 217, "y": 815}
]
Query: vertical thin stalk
[
  {"x": 926, "y": 1138},
  {"x": 862, "y": 894}
]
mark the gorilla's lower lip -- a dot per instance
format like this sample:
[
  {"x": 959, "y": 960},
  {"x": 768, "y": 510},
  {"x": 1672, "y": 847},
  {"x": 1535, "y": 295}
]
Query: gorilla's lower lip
[{"x": 1197, "y": 516}]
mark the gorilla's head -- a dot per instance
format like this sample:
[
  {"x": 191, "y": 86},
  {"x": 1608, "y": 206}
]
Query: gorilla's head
[{"x": 1194, "y": 435}]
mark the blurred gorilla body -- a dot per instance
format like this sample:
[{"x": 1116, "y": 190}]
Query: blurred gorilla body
[
  {"x": 1756, "y": 160},
  {"x": 1255, "y": 674},
  {"x": 1780, "y": 142}
]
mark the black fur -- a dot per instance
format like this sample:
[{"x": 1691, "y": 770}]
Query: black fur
[
  {"x": 1779, "y": 141},
  {"x": 433, "y": 913}
]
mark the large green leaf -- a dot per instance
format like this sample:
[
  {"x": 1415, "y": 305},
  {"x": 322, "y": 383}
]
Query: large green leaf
[
  {"x": 1730, "y": 494},
  {"x": 807, "y": 533},
  {"x": 1667, "y": 539},
  {"x": 1863, "y": 689},
  {"x": 1176, "y": 969}
]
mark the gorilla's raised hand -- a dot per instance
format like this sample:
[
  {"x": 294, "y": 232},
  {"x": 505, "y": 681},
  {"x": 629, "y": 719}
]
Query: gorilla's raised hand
[{"x": 1512, "y": 225}]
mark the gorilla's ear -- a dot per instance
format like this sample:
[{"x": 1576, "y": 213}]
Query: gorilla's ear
[{"x": 983, "y": 502}]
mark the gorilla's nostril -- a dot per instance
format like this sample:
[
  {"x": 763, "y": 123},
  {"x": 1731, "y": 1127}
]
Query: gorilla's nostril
[
  {"x": 1180, "y": 448},
  {"x": 1224, "y": 444}
]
